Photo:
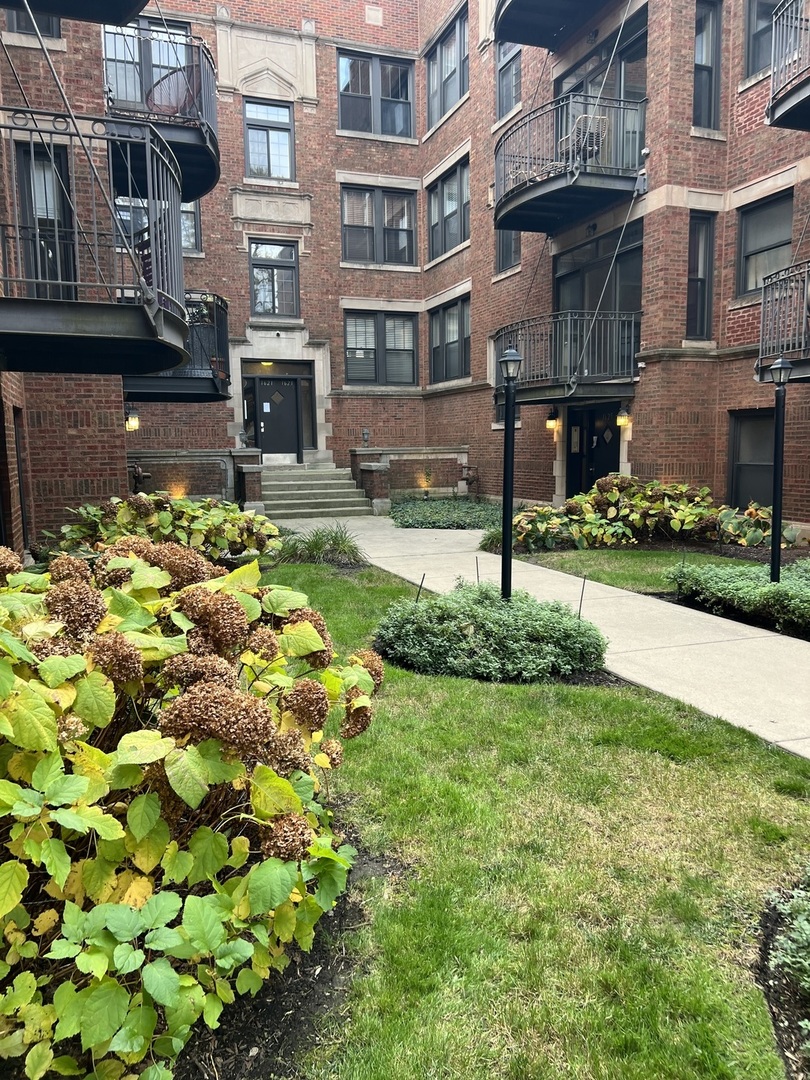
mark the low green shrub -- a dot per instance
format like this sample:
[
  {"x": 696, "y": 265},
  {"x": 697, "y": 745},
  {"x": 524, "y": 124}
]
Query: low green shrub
[
  {"x": 461, "y": 513},
  {"x": 746, "y": 589},
  {"x": 332, "y": 544},
  {"x": 472, "y": 632},
  {"x": 791, "y": 946},
  {"x": 213, "y": 528},
  {"x": 162, "y": 837}
]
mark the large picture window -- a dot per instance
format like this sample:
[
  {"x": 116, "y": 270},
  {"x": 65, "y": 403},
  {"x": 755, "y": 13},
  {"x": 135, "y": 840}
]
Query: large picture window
[
  {"x": 449, "y": 210},
  {"x": 448, "y": 70},
  {"x": 378, "y": 226},
  {"x": 273, "y": 278},
  {"x": 380, "y": 348},
  {"x": 269, "y": 141},
  {"x": 375, "y": 95},
  {"x": 450, "y": 341},
  {"x": 764, "y": 241}
]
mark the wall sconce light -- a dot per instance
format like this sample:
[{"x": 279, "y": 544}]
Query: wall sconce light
[
  {"x": 131, "y": 419},
  {"x": 552, "y": 419},
  {"x": 590, "y": 230},
  {"x": 592, "y": 36},
  {"x": 365, "y": 435},
  {"x": 623, "y": 418}
]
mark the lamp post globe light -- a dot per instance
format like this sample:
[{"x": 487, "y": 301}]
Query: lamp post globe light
[
  {"x": 509, "y": 364},
  {"x": 780, "y": 374}
]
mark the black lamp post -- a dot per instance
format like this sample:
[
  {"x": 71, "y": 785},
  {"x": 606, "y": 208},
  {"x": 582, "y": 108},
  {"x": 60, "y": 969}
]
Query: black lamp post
[
  {"x": 509, "y": 364},
  {"x": 780, "y": 373}
]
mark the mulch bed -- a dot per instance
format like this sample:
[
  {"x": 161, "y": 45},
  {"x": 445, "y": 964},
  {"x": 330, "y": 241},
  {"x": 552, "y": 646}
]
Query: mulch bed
[{"x": 788, "y": 1005}]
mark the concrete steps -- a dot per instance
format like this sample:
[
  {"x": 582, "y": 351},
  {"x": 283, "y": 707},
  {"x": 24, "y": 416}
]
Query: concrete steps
[{"x": 305, "y": 492}]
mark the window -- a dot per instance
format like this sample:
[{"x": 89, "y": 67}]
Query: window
[
  {"x": 143, "y": 61},
  {"x": 190, "y": 226},
  {"x": 448, "y": 70},
  {"x": 765, "y": 241},
  {"x": 450, "y": 341},
  {"x": 508, "y": 77},
  {"x": 699, "y": 279},
  {"x": 449, "y": 211},
  {"x": 269, "y": 140},
  {"x": 760, "y": 35},
  {"x": 19, "y": 22},
  {"x": 273, "y": 278},
  {"x": 381, "y": 349},
  {"x": 706, "y": 99},
  {"x": 375, "y": 95},
  {"x": 508, "y": 249},
  {"x": 378, "y": 226}
]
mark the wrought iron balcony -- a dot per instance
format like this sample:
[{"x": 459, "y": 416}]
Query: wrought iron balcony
[
  {"x": 91, "y": 266},
  {"x": 567, "y": 353},
  {"x": 169, "y": 78},
  {"x": 569, "y": 159},
  {"x": 789, "y": 104},
  {"x": 206, "y": 375},
  {"x": 97, "y": 11},
  {"x": 547, "y": 24},
  {"x": 784, "y": 329}
]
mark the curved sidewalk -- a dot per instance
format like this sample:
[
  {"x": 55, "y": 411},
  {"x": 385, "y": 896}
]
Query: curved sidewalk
[{"x": 752, "y": 678}]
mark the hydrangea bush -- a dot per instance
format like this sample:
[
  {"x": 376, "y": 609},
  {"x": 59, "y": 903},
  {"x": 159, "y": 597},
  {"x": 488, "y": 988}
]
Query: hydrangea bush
[{"x": 163, "y": 741}]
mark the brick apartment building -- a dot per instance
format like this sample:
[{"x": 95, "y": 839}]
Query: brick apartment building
[{"x": 405, "y": 190}]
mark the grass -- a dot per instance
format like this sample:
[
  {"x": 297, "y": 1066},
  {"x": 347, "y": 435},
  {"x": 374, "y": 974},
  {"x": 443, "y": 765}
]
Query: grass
[
  {"x": 584, "y": 873},
  {"x": 635, "y": 569}
]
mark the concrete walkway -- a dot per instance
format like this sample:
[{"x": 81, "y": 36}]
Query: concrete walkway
[{"x": 752, "y": 678}]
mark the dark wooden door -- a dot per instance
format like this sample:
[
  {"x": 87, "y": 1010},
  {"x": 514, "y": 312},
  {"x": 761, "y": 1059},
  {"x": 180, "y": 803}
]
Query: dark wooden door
[{"x": 277, "y": 415}]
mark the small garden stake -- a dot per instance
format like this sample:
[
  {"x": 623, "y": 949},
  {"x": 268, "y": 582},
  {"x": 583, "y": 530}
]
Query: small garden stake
[
  {"x": 419, "y": 590},
  {"x": 582, "y": 595}
]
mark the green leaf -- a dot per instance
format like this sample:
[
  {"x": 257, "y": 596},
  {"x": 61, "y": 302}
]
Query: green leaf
[
  {"x": 104, "y": 1011},
  {"x": 48, "y": 769},
  {"x": 145, "y": 576},
  {"x": 25, "y": 986},
  {"x": 211, "y": 1010},
  {"x": 142, "y": 815},
  {"x": 231, "y": 954},
  {"x": 202, "y": 924},
  {"x": 89, "y": 817},
  {"x": 161, "y": 981},
  {"x": 157, "y": 1072},
  {"x": 281, "y": 600},
  {"x": 98, "y": 876},
  {"x": 56, "y": 859},
  {"x": 181, "y": 621},
  {"x": 14, "y": 647},
  {"x": 164, "y": 939},
  {"x": 210, "y": 851},
  {"x": 284, "y": 921},
  {"x": 6, "y": 679},
  {"x": 33, "y": 723},
  {"x": 13, "y": 879},
  {"x": 35, "y": 582},
  {"x": 217, "y": 770},
  {"x": 56, "y": 670},
  {"x": 253, "y": 609},
  {"x": 66, "y": 1066},
  {"x": 127, "y": 958},
  {"x": 142, "y": 748},
  {"x": 176, "y": 864},
  {"x": 247, "y": 981},
  {"x": 124, "y": 922},
  {"x": 331, "y": 882},
  {"x": 19, "y": 604},
  {"x": 136, "y": 1034},
  {"x": 154, "y": 647},
  {"x": 95, "y": 699},
  {"x": 93, "y": 961},
  {"x": 38, "y": 1060},
  {"x": 127, "y": 608},
  {"x": 270, "y": 884},
  {"x": 243, "y": 577},
  {"x": 187, "y": 773},
  {"x": 271, "y": 795},
  {"x": 68, "y": 1002},
  {"x": 300, "y": 639},
  {"x": 240, "y": 852},
  {"x": 148, "y": 852},
  {"x": 160, "y": 909},
  {"x": 66, "y": 789}
]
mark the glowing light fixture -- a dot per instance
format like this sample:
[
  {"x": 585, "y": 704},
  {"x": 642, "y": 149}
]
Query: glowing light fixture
[
  {"x": 132, "y": 420},
  {"x": 552, "y": 419},
  {"x": 623, "y": 417}
]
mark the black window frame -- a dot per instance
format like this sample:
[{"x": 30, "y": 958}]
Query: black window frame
[
  {"x": 17, "y": 22},
  {"x": 758, "y": 35},
  {"x": 507, "y": 68},
  {"x": 440, "y": 238},
  {"x": 699, "y": 275},
  {"x": 444, "y": 91},
  {"x": 375, "y": 95},
  {"x": 187, "y": 210},
  {"x": 745, "y": 252},
  {"x": 439, "y": 359},
  {"x": 378, "y": 228},
  {"x": 255, "y": 261},
  {"x": 507, "y": 249},
  {"x": 381, "y": 371},
  {"x": 258, "y": 124},
  {"x": 706, "y": 88}
]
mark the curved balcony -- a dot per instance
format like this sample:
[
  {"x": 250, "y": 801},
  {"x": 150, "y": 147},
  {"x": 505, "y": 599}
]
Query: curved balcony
[
  {"x": 91, "y": 267},
  {"x": 569, "y": 159},
  {"x": 574, "y": 354},
  {"x": 97, "y": 11},
  {"x": 789, "y": 104},
  {"x": 206, "y": 376},
  {"x": 547, "y": 24},
  {"x": 784, "y": 327},
  {"x": 169, "y": 79}
]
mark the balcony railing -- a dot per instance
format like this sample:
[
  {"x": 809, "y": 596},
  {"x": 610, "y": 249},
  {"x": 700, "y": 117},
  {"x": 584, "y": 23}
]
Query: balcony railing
[
  {"x": 571, "y": 134},
  {"x": 790, "y": 49},
  {"x": 163, "y": 74},
  {"x": 573, "y": 347},
  {"x": 92, "y": 214},
  {"x": 784, "y": 327},
  {"x": 208, "y": 338}
]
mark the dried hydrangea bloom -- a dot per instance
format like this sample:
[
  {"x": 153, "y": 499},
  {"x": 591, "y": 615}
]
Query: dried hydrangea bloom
[
  {"x": 186, "y": 566},
  {"x": 321, "y": 658},
  {"x": 308, "y": 701},
  {"x": 141, "y": 504},
  {"x": 357, "y": 718},
  {"x": 66, "y": 567},
  {"x": 70, "y": 727},
  {"x": 187, "y": 669},
  {"x": 199, "y": 643},
  {"x": 63, "y": 645},
  {"x": 222, "y": 617},
  {"x": 118, "y": 658},
  {"x": 373, "y": 664},
  {"x": 264, "y": 643},
  {"x": 77, "y": 606},
  {"x": 209, "y": 710},
  {"x": 286, "y": 753},
  {"x": 108, "y": 509},
  {"x": 161, "y": 500},
  {"x": 123, "y": 548},
  {"x": 10, "y": 563},
  {"x": 288, "y": 838},
  {"x": 334, "y": 751}
]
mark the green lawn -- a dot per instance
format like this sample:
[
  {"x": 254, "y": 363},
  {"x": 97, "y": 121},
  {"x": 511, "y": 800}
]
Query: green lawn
[
  {"x": 626, "y": 568},
  {"x": 584, "y": 870}
]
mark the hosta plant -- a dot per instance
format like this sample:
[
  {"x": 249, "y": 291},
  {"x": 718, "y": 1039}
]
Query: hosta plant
[{"x": 162, "y": 836}]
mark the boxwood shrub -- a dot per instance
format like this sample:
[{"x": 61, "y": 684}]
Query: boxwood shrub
[{"x": 472, "y": 632}]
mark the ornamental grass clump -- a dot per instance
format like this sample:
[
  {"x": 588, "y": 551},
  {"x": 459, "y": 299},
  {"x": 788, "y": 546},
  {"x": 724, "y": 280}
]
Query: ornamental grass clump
[
  {"x": 163, "y": 841},
  {"x": 473, "y": 632}
]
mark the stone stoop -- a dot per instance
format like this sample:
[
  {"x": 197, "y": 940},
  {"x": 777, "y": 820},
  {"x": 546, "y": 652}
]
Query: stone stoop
[{"x": 307, "y": 492}]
